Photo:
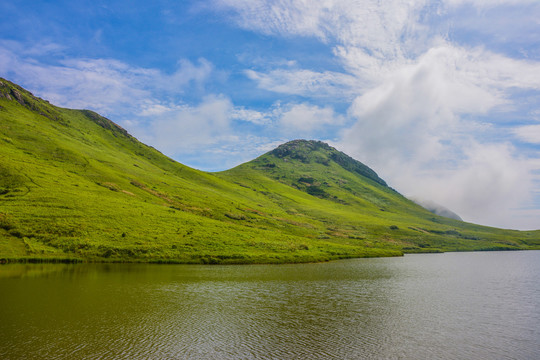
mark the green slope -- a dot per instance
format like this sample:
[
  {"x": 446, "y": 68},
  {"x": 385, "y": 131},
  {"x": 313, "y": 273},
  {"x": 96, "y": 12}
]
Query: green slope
[{"x": 74, "y": 185}]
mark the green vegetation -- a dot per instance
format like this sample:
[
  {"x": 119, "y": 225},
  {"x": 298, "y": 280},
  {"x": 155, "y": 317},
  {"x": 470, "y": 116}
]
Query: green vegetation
[{"x": 74, "y": 186}]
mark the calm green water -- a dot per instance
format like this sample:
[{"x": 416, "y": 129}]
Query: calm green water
[{"x": 440, "y": 306}]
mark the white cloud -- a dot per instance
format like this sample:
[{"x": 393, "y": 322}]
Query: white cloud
[
  {"x": 374, "y": 33},
  {"x": 232, "y": 151},
  {"x": 410, "y": 128},
  {"x": 304, "y": 119},
  {"x": 488, "y": 3},
  {"x": 145, "y": 101},
  {"x": 416, "y": 109},
  {"x": 373, "y": 24},
  {"x": 150, "y": 108},
  {"x": 107, "y": 86},
  {"x": 305, "y": 82},
  {"x": 186, "y": 73},
  {"x": 278, "y": 17},
  {"x": 206, "y": 129},
  {"x": 253, "y": 116},
  {"x": 528, "y": 133},
  {"x": 42, "y": 48},
  {"x": 188, "y": 128},
  {"x": 490, "y": 186}
]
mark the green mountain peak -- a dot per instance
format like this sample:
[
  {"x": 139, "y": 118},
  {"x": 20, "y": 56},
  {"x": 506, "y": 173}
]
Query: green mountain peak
[
  {"x": 312, "y": 151},
  {"x": 318, "y": 169}
]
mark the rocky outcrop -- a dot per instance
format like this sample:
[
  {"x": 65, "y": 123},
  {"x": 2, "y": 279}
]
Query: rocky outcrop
[{"x": 14, "y": 92}]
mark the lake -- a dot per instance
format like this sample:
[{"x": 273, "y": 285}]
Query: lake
[{"x": 483, "y": 305}]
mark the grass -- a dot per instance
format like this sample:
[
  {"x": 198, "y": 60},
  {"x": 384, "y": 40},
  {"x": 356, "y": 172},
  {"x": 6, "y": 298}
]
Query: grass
[{"x": 76, "y": 187}]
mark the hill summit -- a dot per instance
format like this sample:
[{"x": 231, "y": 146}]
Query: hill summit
[
  {"x": 312, "y": 151},
  {"x": 75, "y": 186}
]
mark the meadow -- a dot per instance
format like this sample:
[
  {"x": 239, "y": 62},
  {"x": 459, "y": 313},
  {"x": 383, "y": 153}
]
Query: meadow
[{"x": 74, "y": 186}]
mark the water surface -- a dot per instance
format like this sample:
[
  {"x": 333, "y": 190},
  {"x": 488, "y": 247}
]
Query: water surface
[{"x": 444, "y": 306}]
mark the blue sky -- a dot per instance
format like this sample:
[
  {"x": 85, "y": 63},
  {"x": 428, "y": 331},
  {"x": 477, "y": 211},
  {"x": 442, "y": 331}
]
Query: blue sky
[{"x": 441, "y": 98}]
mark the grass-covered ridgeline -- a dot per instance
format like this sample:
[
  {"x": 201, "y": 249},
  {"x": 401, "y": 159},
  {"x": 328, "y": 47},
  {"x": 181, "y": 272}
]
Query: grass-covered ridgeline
[{"x": 74, "y": 186}]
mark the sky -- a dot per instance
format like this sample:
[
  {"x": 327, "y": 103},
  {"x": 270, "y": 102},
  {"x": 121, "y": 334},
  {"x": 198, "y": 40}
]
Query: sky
[{"x": 441, "y": 98}]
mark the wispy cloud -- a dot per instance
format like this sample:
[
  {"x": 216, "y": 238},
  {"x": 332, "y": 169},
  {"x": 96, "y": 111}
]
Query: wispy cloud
[
  {"x": 305, "y": 82},
  {"x": 108, "y": 86},
  {"x": 489, "y": 3},
  {"x": 529, "y": 133},
  {"x": 252, "y": 116},
  {"x": 304, "y": 119},
  {"x": 378, "y": 26}
]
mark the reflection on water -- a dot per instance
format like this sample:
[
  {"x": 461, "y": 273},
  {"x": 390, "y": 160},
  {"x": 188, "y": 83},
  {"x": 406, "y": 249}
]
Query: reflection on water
[{"x": 461, "y": 305}]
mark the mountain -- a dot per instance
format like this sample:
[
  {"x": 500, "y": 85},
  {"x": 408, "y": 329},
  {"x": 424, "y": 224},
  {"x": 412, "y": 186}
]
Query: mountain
[{"x": 74, "y": 186}]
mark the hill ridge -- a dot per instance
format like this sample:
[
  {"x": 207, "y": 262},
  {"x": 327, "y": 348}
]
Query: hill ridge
[{"x": 74, "y": 186}]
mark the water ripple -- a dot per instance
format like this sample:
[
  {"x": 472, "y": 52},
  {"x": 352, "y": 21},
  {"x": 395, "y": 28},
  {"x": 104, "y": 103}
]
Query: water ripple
[{"x": 423, "y": 307}]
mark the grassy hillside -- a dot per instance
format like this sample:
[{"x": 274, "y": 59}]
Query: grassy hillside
[{"x": 74, "y": 185}]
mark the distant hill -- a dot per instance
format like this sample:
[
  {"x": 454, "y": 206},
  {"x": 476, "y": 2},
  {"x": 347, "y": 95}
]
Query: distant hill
[{"x": 74, "y": 186}]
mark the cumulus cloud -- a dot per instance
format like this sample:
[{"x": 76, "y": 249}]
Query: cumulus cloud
[
  {"x": 414, "y": 114},
  {"x": 412, "y": 129}
]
